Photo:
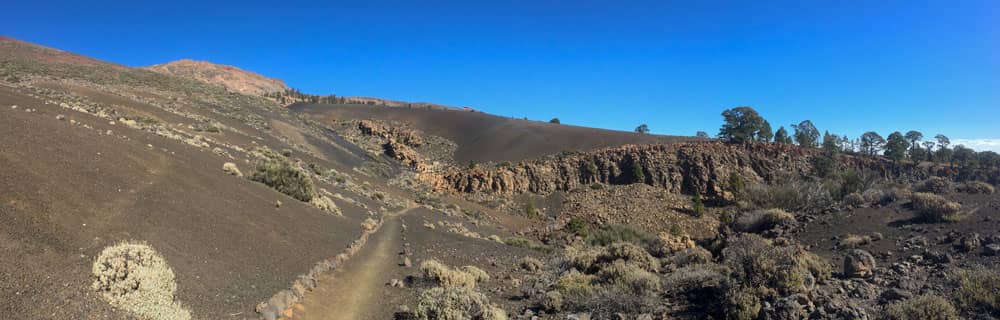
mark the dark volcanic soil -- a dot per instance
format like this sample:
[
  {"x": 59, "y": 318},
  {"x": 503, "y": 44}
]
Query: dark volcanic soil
[
  {"x": 66, "y": 192},
  {"x": 483, "y": 137}
]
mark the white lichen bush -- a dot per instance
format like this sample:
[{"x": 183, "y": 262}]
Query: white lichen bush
[
  {"x": 133, "y": 277},
  {"x": 232, "y": 169}
]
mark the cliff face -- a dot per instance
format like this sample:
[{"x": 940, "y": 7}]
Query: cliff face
[{"x": 707, "y": 168}]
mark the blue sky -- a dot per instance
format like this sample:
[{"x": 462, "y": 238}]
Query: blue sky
[{"x": 849, "y": 66}]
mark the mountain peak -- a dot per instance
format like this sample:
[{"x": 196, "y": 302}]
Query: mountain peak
[{"x": 233, "y": 78}]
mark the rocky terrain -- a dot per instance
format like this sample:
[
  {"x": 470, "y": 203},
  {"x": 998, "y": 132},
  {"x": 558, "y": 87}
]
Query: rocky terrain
[{"x": 189, "y": 191}]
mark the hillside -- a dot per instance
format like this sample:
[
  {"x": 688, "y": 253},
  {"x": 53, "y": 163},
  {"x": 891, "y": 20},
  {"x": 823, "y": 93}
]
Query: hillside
[
  {"x": 230, "y": 77},
  {"x": 191, "y": 191}
]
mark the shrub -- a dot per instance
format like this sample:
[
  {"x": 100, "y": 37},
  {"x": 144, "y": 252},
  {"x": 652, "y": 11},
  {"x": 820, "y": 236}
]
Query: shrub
[
  {"x": 698, "y": 207},
  {"x": 476, "y": 273},
  {"x": 527, "y": 244},
  {"x": 134, "y": 277},
  {"x": 369, "y": 224},
  {"x": 937, "y": 185},
  {"x": 854, "y": 199},
  {"x": 794, "y": 195},
  {"x": 283, "y": 177},
  {"x": 326, "y": 204},
  {"x": 695, "y": 255},
  {"x": 613, "y": 233},
  {"x": 456, "y": 303},
  {"x": 978, "y": 289},
  {"x": 925, "y": 307},
  {"x": 630, "y": 277},
  {"x": 531, "y": 264},
  {"x": 702, "y": 284},
  {"x": 763, "y": 220},
  {"x": 445, "y": 276},
  {"x": 577, "y": 226},
  {"x": 934, "y": 208},
  {"x": 575, "y": 284},
  {"x": 553, "y": 301},
  {"x": 978, "y": 187},
  {"x": 756, "y": 262},
  {"x": 854, "y": 241},
  {"x": 231, "y": 168}
]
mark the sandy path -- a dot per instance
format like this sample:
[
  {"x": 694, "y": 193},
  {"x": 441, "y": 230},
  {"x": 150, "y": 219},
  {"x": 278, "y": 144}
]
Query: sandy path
[{"x": 356, "y": 289}]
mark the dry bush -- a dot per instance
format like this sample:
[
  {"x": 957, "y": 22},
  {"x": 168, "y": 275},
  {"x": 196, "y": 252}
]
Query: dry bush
[
  {"x": 978, "y": 289},
  {"x": 456, "y": 303},
  {"x": 854, "y": 199},
  {"x": 232, "y": 169},
  {"x": 977, "y": 187},
  {"x": 282, "y": 176},
  {"x": 854, "y": 241},
  {"x": 369, "y": 224},
  {"x": 934, "y": 208},
  {"x": 763, "y": 220},
  {"x": 757, "y": 262},
  {"x": 702, "y": 285},
  {"x": 937, "y": 185},
  {"x": 449, "y": 278},
  {"x": 476, "y": 273},
  {"x": 629, "y": 277},
  {"x": 794, "y": 195},
  {"x": 134, "y": 277},
  {"x": 531, "y": 264},
  {"x": 696, "y": 255},
  {"x": 925, "y": 307},
  {"x": 575, "y": 284},
  {"x": 326, "y": 204}
]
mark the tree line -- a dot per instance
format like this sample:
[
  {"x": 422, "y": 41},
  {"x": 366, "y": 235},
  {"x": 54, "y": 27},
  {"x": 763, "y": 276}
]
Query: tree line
[{"x": 744, "y": 124}]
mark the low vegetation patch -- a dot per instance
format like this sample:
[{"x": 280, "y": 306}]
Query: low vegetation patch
[
  {"x": 280, "y": 174},
  {"x": 527, "y": 244},
  {"x": 447, "y": 277},
  {"x": 977, "y": 187},
  {"x": 936, "y": 185},
  {"x": 934, "y": 208},
  {"x": 232, "y": 169},
  {"x": 456, "y": 303},
  {"x": 978, "y": 289},
  {"x": 925, "y": 307},
  {"x": 613, "y": 233},
  {"x": 133, "y": 277},
  {"x": 763, "y": 220}
]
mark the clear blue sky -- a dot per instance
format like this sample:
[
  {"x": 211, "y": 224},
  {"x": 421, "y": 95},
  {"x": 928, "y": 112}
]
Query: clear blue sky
[{"x": 850, "y": 66}]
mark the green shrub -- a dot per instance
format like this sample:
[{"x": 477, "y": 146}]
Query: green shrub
[
  {"x": 934, "y": 208},
  {"x": 637, "y": 174},
  {"x": 925, "y": 307},
  {"x": 527, "y": 244},
  {"x": 577, "y": 226},
  {"x": 280, "y": 175},
  {"x": 978, "y": 289},
  {"x": 698, "y": 207}
]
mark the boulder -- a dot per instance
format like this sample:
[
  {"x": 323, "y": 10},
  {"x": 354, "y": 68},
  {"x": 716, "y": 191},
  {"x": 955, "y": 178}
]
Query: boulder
[{"x": 859, "y": 264}]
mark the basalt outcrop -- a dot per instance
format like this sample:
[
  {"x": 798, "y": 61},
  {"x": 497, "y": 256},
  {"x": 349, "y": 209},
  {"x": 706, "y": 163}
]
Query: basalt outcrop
[{"x": 707, "y": 168}]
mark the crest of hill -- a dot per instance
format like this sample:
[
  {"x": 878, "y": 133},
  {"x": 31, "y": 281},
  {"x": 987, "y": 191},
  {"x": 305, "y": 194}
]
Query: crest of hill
[
  {"x": 14, "y": 48},
  {"x": 233, "y": 78}
]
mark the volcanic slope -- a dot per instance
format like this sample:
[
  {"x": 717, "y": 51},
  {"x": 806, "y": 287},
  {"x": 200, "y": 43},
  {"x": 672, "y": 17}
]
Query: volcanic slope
[
  {"x": 93, "y": 154},
  {"x": 483, "y": 137}
]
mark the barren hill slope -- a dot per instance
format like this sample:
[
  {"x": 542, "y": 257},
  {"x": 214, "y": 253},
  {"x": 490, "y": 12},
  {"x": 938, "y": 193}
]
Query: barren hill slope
[
  {"x": 233, "y": 78},
  {"x": 483, "y": 137}
]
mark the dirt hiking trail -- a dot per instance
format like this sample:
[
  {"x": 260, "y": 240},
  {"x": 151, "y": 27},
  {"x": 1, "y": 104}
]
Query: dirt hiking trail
[{"x": 355, "y": 290}]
